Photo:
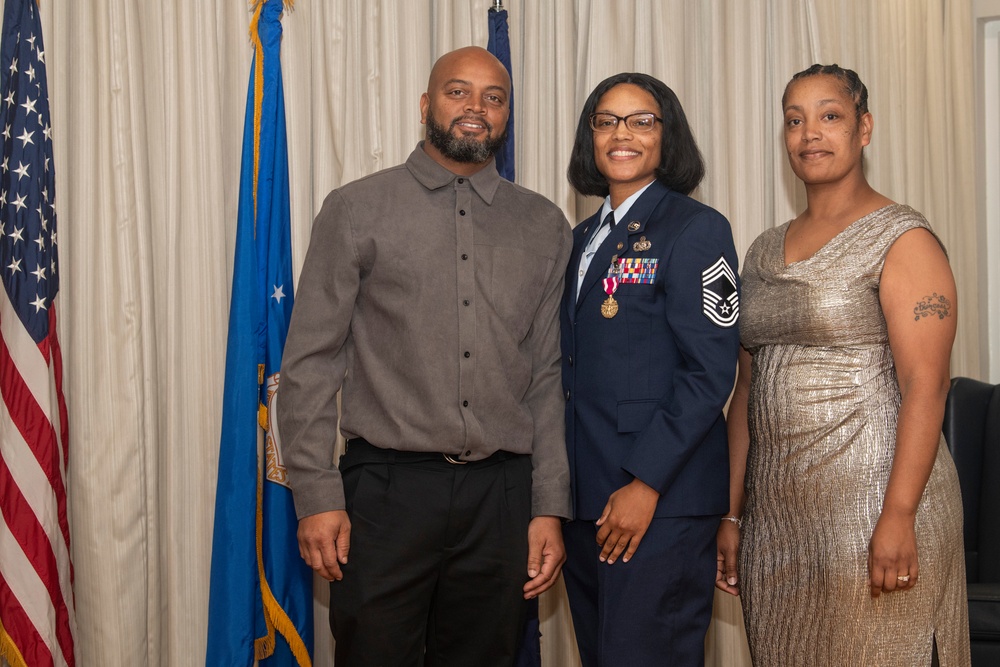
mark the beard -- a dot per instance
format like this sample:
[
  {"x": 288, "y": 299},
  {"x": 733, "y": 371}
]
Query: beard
[{"x": 463, "y": 148}]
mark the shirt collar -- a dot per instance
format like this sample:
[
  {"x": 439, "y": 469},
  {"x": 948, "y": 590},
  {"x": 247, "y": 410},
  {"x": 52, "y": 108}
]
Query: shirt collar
[
  {"x": 432, "y": 175},
  {"x": 623, "y": 208}
]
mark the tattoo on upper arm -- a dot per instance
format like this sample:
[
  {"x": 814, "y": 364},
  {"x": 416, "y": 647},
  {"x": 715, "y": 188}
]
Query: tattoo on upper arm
[{"x": 935, "y": 304}]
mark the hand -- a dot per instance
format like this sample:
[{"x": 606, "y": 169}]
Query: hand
[
  {"x": 892, "y": 553},
  {"x": 324, "y": 540},
  {"x": 625, "y": 520},
  {"x": 546, "y": 554},
  {"x": 728, "y": 539}
]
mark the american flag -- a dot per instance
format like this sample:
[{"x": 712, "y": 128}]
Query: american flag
[{"x": 36, "y": 594}]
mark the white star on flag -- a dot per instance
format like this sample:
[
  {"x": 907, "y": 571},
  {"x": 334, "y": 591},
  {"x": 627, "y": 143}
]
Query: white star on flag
[{"x": 29, "y": 106}]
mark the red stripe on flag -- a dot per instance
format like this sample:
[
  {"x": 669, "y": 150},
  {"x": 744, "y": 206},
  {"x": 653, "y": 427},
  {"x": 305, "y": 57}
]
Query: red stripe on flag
[
  {"x": 57, "y": 369},
  {"x": 31, "y": 421},
  {"x": 21, "y": 630}
]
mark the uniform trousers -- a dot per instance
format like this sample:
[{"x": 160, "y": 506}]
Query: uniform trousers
[
  {"x": 651, "y": 611},
  {"x": 437, "y": 562}
]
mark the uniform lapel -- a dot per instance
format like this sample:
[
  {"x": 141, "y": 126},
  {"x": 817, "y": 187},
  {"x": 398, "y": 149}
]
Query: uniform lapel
[{"x": 581, "y": 234}]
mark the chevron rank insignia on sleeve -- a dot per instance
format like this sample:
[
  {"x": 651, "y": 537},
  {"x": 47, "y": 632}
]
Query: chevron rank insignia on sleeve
[{"x": 719, "y": 298}]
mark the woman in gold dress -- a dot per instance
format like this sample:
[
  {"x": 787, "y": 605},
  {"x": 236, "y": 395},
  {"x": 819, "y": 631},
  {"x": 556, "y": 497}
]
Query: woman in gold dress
[{"x": 850, "y": 551}]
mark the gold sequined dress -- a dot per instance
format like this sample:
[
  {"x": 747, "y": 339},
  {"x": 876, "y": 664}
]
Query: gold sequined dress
[{"x": 824, "y": 398}]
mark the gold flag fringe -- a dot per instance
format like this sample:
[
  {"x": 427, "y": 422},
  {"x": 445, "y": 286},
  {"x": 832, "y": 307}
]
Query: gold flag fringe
[
  {"x": 275, "y": 617},
  {"x": 261, "y": 408},
  {"x": 258, "y": 92},
  {"x": 9, "y": 650}
]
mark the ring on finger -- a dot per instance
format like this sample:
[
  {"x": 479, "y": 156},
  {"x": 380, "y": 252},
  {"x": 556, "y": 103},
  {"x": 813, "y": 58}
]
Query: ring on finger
[{"x": 903, "y": 577}]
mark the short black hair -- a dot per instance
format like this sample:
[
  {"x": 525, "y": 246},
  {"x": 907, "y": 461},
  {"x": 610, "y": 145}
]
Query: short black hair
[
  {"x": 681, "y": 165},
  {"x": 851, "y": 83}
]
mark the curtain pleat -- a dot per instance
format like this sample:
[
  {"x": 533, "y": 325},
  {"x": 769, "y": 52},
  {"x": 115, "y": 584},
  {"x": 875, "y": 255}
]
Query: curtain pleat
[{"x": 148, "y": 99}]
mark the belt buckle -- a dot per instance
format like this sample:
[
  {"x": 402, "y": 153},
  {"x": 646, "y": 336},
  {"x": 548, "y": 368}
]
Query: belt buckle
[{"x": 453, "y": 460}]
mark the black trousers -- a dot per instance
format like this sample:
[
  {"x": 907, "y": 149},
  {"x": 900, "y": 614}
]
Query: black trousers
[{"x": 437, "y": 562}]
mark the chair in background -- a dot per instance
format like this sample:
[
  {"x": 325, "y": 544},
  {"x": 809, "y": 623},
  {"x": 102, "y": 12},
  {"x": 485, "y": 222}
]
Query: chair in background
[{"x": 972, "y": 430}]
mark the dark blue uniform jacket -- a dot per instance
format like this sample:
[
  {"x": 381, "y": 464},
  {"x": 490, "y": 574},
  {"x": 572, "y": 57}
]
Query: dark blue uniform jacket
[{"x": 646, "y": 388}]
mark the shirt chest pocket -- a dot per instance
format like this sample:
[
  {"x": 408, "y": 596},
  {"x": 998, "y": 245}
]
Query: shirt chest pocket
[{"x": 515, "y": 279}]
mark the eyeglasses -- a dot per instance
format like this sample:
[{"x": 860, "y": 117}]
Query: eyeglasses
[{"x": 636, "y": 122}]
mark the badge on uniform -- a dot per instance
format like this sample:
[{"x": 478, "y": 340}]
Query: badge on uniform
[
  {"x": 719, "y": 297},
  {"x": 642, "y": 245},
  {"x": 638, "y": 270}
]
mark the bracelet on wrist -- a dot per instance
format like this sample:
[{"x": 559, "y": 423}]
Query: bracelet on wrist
[{"x": 735, "y": 519}]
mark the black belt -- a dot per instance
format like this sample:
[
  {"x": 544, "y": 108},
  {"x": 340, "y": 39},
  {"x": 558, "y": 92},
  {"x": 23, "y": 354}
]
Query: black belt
[{"x": 369, "y": 453}]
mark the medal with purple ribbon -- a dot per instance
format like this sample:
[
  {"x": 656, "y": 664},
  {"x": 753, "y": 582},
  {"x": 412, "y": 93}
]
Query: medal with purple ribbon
[{"x": 610, "y": 307}]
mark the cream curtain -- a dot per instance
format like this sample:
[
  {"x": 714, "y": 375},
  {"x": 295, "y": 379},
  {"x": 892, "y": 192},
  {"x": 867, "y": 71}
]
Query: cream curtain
[{"x": 148, "y": 101}]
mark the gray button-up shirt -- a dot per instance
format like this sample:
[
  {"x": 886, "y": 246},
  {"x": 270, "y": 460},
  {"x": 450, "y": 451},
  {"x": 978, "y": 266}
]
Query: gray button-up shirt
[{"x": 432, "y": 300}]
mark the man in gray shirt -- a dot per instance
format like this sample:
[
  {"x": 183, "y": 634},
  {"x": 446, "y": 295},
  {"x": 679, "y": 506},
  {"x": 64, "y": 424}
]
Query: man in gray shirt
[{"x": 430, "y": 296}]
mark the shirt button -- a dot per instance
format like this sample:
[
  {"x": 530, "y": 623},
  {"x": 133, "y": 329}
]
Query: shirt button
[
  {"x": 465, "y": 404},
  {"x": 461, "y": 212},
  {"x": 468, "y": 453},
  {"x": 461, "y": 180},
  {"x": 464, "y": 256},
  {"x": 570, "y": 360},
  {"x": 468, "y": 354},
  {"x": 465, "y": 302},
  {"x": 567, "y": 394}
]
